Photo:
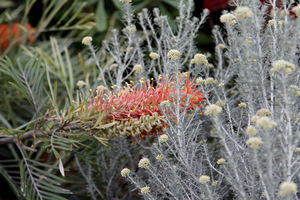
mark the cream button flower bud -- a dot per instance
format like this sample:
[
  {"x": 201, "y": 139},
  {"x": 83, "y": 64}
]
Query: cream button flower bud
[
  {"x": 199, "y": 59},
  {"x": 254, "y": 142},
  {"x": 254, "y": 118},
  {"x": 159, "y": 158},
  {"x": 163, "y": 138},
  {"x": 154, "y": 55},
  {"x": 228, "y": 19},
  {"x": 251, "y": 130},
  {"x": 280, "y": 65},
  {"x": 221, "y": 85},
  {"x": 125, "y": 172},
  {"x": 137, "y": 68},
  {"x": 144, "y": 163},
  {"x": 215, "y": 183},
  {"x": 80, "y": 84},
  {"x": 221, "y": 161},
  {"x": 204, "y": 179},
  {"x": 209, "y": 81},
  {"x": 265, "y": 123},
  {"x": 243, "y": 13},
  {"x": 242, "y": 105},
  {"x": 212, "y": 110},
  {"x": 87, "y": 40},
  {"x": 287, "y": 188},
  {"x": 200, "y": 81},
  {"x": 145, "y": 190},
  {"x": 173, "y": 54},
  {"x": 263, "y": 112}
]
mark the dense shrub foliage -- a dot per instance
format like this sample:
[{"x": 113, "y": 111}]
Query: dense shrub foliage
[{"x": 147, "y": 115}]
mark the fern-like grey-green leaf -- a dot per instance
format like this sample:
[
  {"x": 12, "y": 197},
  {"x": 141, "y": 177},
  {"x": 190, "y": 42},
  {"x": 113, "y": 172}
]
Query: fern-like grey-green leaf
[
  {"x": 9, "y": 170},
  {"x": 37, "y": 181},
  {"x": 28, "y": 79}
]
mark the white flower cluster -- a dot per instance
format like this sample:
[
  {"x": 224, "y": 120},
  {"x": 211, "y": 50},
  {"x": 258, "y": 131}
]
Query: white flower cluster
[
  {"x": 125, "y": 1},
  {"x": 87, "y": 40},
  {"x": 204, "y": 179},
  {"x": 287, "y": 188},
  {"x": 280, "y": 65},
  {"x": 221, "y": 161},
  {"x": 263, "y": 112},
  {"x": 163, "y": 138},
  {"x": 173, "y": 54},
  {"x": 145, "y": 190},
  {"x": 199, "y": 59},
  {"x": 212, "y": 110},
  {"x": 265, "y": 123},
  {"x": 80, "y": 84},
  {"x": 125, "y": 172},
  {"x": 154, "y": 55},
  {"x": 228, "y": 18},
  {"x": 130, "y": 28},
  {"x": 159, "y": 158},
  {"x": 254, "y": 142},
  {"x": 243, "y": 13},
  {"x": 144, "y": 163},
  {"x": 251, "y": 130},
  {"x": 208, "y": 81},
  {"x": 242, "y": 105},
  {"x": 138, "y": 68}
]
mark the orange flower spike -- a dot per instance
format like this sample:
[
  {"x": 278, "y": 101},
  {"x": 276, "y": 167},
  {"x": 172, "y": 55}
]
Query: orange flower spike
[
  {"x": 8, "y": 33},
  {"x": 133, "y": 103}
]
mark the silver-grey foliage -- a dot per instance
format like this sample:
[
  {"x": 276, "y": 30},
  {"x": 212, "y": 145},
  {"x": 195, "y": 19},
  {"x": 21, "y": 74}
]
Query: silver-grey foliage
[{"x": 252, "y": 112}]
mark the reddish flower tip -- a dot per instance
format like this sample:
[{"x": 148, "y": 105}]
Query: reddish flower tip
[
  {"x": 136, "y": 111},
  {"x": 11, "y": 32}
]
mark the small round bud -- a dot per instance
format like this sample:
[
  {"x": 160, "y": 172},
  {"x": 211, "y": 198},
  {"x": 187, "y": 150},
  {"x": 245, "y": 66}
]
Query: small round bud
[
  {"x": 254, "y": 142},
  {"x": 173, "y": 54},
  {"x": 144, "y": 163},
  {"x": 221, "y": 161},
  {"x": 287, "y": 188},
  {"x": 87, "y": 40},
  {"x": 204, "y": 179},
  {"x": 154, "y": 55},
  {"x": 125, "y": 172},
  {"x": 163, "y": 138},
  {"x": 145, "y": 190},
  {"x": 212, "y": 110},
  {"x": 80, "y": 84}
]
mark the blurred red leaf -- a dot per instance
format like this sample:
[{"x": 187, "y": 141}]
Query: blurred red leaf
[{"x": 11, "y": 32}]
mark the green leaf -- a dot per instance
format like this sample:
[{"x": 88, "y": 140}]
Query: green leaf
[
  {"x": 102, "y": 140},
  {"x": 141, "y": 5},
  {"x": 101, "y": 17},
  {"x": 118, "y": 4},
  {"x": 101, "y": 116},
  {"x": 173, "y": 3}
]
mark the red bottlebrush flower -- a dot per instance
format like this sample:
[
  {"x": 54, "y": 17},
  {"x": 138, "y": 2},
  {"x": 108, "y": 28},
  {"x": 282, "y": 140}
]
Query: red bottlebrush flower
[
  {"x": 10, "y": 32},
  {"x": 135, "y": 111}
]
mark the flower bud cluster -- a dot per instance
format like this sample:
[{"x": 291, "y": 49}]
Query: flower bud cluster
[
  {"x": 282, "y": 65},
  {"x": 134, "y": 127},
  {"x": 199, "y": 59}
]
